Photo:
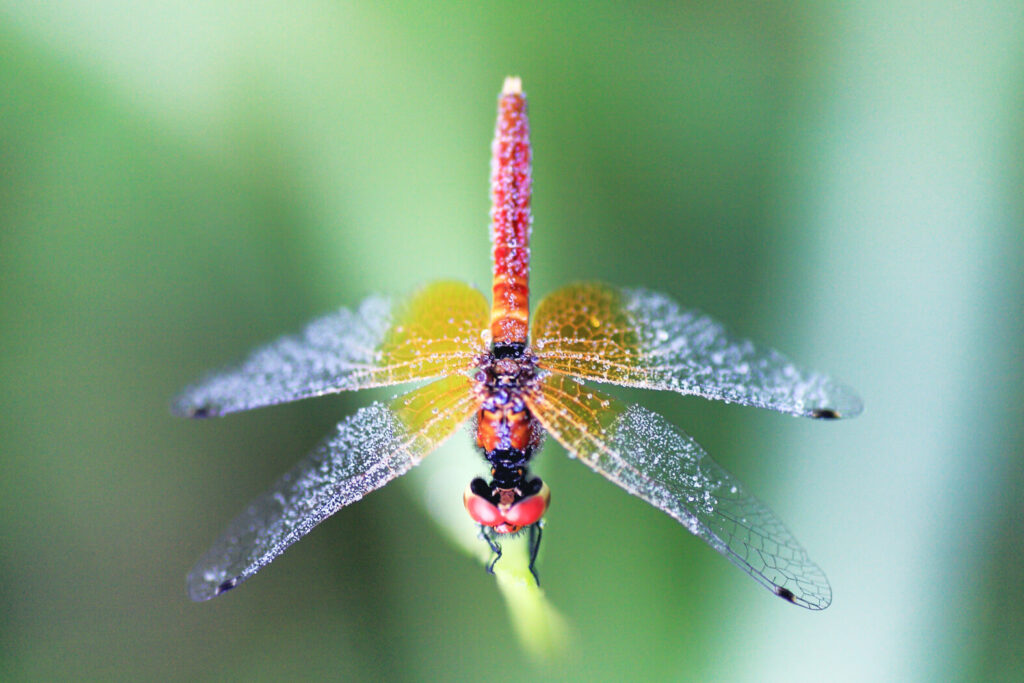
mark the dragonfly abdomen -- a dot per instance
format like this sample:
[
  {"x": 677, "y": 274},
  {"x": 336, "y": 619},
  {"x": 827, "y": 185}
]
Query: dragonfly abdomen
[{"x": 511, "y": 218}]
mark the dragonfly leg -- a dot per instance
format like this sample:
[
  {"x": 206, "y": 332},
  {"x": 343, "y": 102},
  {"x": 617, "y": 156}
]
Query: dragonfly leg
[
  {"x": 536, "y": 530},
  {"x": 494, "y": 546}
]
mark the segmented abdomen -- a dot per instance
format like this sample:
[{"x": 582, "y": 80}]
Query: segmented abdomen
[{"x": 510, "y": 217}]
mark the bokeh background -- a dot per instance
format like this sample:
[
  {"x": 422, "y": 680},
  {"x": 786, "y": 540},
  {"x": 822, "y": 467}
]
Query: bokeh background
[{"x": 180, "y": 181}]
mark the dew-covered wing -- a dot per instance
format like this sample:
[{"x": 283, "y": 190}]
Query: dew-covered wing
[
  {"x": 640, "y": 338},
  {"x": 436, "y": 331},
  {"x": 644, "y": 454},
  {"x": 368, "y": 449}
]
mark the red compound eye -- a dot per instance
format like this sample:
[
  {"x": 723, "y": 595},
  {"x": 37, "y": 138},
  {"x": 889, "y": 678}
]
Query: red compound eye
[
  {"x": 480, "y": 509},
  {"x": 529, "y": 510}
]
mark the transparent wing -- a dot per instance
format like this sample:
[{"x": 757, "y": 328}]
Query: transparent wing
[
  {"x": 369, "y": 449},
  {"x": 644, "y": 339},
  {"x": 436, "y": 331},
  {"x": 641, "y": 452}
]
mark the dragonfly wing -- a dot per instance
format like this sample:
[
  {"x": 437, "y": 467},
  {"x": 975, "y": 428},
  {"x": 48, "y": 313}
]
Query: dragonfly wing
[
  {"x": 435, "y": 331},
  {"x": 644, "y": 454},
  {"x": 369, "y": 449},
  {"x": 640, "y": 338}
]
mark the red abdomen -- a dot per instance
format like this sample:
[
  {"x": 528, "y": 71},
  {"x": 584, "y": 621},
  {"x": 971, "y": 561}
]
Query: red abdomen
[{"x": 511, "y": 218}]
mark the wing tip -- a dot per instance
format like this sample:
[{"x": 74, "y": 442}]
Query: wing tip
[
  {"x": 201, "y": 590},
  {"x": 785, "y": 594},
  {"x": 842, "y": 407},
  {"x": 195, "y": 412},
  {"x": 183, "y": 407},
  {"x": 819, "y": 603}
]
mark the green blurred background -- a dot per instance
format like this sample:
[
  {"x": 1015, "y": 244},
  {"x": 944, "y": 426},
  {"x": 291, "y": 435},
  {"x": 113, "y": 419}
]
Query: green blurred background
[{"x": 180, "y": 181}]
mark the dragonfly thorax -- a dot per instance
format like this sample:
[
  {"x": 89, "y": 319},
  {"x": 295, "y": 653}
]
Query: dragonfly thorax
[
  {"x": 506, "y": 431},
  {"x": 508, "y": 434}
]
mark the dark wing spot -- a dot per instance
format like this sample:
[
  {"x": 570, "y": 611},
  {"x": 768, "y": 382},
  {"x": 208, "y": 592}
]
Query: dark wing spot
[
  {"x": 200, "y": 412},
  {"x": 825, "y": 414},
  {"x": 785, "y": 594},
  {"x": 227, "y": 585}
]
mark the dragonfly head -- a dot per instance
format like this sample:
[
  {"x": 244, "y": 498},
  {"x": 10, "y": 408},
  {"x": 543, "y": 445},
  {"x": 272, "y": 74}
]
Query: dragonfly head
[{"x": 506, "y": 510}]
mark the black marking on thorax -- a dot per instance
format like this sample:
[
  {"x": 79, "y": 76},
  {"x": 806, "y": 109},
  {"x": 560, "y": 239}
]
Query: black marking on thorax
[{"x": 508, "y": 350}]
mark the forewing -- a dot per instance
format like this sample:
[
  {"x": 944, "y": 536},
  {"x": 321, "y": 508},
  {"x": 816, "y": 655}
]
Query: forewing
[
  {"x": 641, "y": 452},
  {"x": 369, "y": 449},
  {"x": 436, "y": 331},
  {"x": 640, "y": 338}
]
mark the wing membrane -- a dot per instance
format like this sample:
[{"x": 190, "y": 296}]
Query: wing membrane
[
  {"x": 436, "y": 331},
  {"x": 369, "y": 449},
  {"x": 641, "y": 452},
  {"x": 640, "y": 338}
]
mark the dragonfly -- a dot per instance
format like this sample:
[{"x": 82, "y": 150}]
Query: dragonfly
[{"x": 514, "y": 381}]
